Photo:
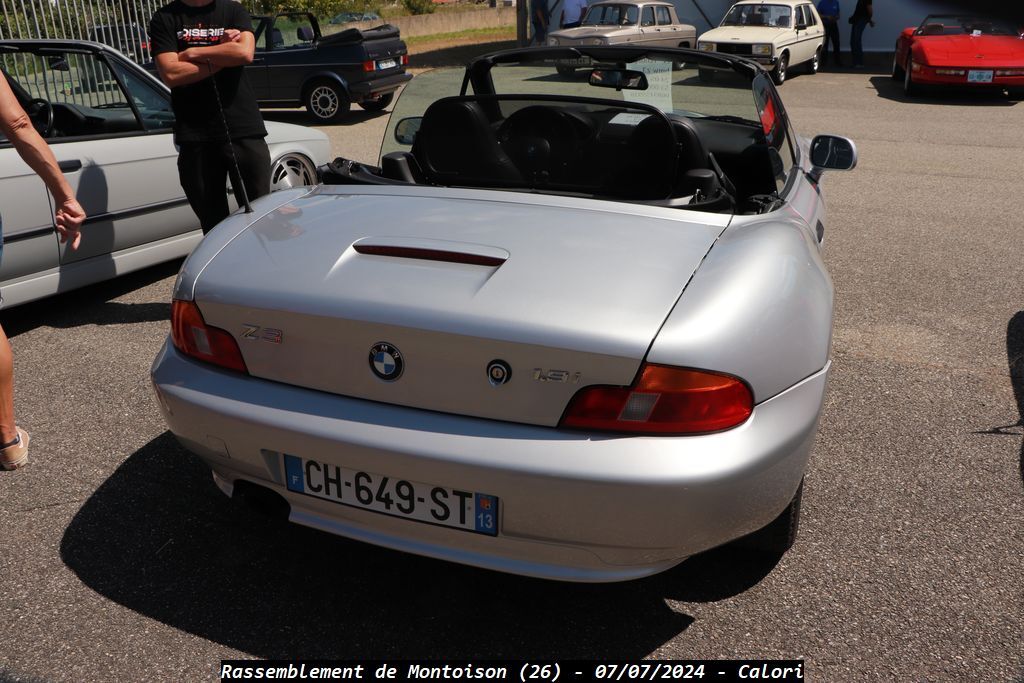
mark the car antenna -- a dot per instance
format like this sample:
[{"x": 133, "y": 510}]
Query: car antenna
[{"x": 227, "y": 132}]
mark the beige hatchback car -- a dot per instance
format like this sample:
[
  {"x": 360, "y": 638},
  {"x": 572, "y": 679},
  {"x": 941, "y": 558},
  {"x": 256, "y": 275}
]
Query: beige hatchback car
[
  {"x": 651, "y": 24},
  {"x": 777, "y": 35}
]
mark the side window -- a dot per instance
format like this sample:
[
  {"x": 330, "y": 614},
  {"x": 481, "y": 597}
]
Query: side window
[
  {"x": 153, "y": 105},
  {"x": 664, "y": 17},
  {"x": 775, "y": 127},
  {"x": 799, "y": 19},
  {"x": 812, "y": 18},
  {"x": 647, "y": 18},
  {"x": 290, "y": 32},
  {"x": 81, "y": 89}
]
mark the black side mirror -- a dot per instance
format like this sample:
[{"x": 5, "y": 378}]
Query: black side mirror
[
  {"x": 405, "y": 131},
  {"x": 831, "y": 152}
]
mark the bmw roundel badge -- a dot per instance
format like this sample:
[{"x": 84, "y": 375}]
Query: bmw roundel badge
[{"x": 386, "y": 361}]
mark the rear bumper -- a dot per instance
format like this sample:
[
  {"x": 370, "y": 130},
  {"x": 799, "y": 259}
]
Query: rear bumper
[
  {"x": 573, "y": 506},
  {"x": 372, "y": 89},
  {"x": 928, "y": 76}
]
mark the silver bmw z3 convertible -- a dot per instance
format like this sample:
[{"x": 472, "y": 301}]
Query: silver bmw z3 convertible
[{"x": 572, "y": 328}]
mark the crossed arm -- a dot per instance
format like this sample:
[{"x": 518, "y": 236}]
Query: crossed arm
[{"x": 196, "y": 63}]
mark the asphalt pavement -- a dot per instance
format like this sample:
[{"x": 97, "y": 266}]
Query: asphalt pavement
[{"x": 120, "y": 560}]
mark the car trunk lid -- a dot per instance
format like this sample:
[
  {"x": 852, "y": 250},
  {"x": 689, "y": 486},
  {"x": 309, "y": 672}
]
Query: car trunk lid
[{"x": 334, "y": 290}]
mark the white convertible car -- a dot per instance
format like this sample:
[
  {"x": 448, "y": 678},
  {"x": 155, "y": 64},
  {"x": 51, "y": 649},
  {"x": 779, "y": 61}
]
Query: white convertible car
[{"x": 108, "y": 123}]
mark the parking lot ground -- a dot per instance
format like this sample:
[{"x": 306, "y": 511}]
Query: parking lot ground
[{"x": 120, "y": 560}]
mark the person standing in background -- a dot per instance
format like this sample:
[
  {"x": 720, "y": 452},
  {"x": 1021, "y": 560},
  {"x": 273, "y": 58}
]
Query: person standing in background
[
  {"x": 32, "y": 148},
  {"x": 829, "y": 11},
  {"x": 201, "y": 48},
  {"x": 862, "y": 16},
  {"x": 539, "y": 19},
  {"x": 572, "y": 13}
]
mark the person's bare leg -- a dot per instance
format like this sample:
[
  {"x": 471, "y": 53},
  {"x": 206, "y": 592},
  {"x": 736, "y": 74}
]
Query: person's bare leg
[{"x": 8, "y": 428}]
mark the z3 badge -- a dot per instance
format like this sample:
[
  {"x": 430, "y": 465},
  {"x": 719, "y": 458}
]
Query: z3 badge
[{"x": 257, "y": 333}]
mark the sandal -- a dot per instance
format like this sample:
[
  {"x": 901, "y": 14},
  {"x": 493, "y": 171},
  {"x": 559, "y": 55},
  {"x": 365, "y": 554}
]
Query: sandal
[{"x": 16, "y": 455}]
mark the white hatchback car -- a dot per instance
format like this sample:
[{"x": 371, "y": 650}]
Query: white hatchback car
[
  {"x": 109, "y": 123},
  {"x": 777, "y": 35}
]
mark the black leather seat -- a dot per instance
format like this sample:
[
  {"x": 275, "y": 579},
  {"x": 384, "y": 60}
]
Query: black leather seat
[
  {"x": 456, "y": 145},
  {"x": 649, "y": 168}
]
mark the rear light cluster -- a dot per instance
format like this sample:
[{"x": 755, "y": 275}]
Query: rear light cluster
[
  {"x": 663, "y": 400},
  {"x": 370, "y": 65},
  {"x": 1009, "y": 72},
  {"x": 193, "y": 337}
]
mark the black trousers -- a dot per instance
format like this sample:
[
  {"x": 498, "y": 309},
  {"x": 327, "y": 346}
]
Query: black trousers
[
  {"x": 831, "y": 36},
  {"x": 204, "y": 168}
]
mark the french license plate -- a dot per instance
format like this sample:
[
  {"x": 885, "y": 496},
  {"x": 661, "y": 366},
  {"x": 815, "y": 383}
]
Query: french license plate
[
  {"x": 386, "y": 64},
  {"x": 467, "y": 510},
  {"x": 979, "y": 76}
]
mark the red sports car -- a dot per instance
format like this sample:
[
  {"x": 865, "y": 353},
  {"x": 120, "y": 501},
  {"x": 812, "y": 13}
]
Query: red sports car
[{"x": 960, "y": 50}]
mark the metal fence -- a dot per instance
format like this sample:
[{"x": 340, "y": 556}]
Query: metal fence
[{"x": 122, "y": 24}]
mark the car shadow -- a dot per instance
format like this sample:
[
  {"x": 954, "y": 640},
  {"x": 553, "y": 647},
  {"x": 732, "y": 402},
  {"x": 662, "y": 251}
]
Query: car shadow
[
  {"x": 1015, "y": 361},
  {"x": 93, "y": 305},
  {"x": 456, "y": 55},
  {"x": 890, "y": 89},
  {"x": 159, "y": 538}
]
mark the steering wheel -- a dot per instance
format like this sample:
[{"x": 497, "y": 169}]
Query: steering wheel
[
  {"x": 40, "y": 112},
  {"x": 542, "y": 142}
]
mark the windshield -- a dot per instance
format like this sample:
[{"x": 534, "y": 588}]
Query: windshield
[
  {"x": 950, "y": 25},
  {"x": 686, "y": 89},
  {"x": 778, "y": 16},
  {"x": 612, "y": 15}
]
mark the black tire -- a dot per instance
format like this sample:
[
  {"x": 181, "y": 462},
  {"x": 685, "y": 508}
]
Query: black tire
[
  {"x": 910, "y": 89},
  {"x": 815, "y": 64},
  {"x": 780, "y": 534},
  {"x": 379, "y": 104},
  {"x": 781, "y": 68},
  {"x": 327, "y": 102},
  {"x": 897, "y": 70},
  {"x": 565, "y": 71}
]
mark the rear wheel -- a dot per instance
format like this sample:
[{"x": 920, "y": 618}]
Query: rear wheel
[
  {"x": 780, "y": 535},
  {"x": 327, "y": 102},
  {"x": 379, "y": 104},
  {"x": 815, "y": 63},
  {"x": 291, "y": 170},
  {"x": 781, "y": 67}
]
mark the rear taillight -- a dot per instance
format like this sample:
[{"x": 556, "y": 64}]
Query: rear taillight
[
  {"x": 193, "y": 337},
  {"x": 405, "y": 60},
  {"x": 368, "y": 65},
  {"x": 663, "y": 400}
]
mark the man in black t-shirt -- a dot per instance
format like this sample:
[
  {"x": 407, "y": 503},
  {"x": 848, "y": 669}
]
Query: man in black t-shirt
[{"x": 201, "y": 48}]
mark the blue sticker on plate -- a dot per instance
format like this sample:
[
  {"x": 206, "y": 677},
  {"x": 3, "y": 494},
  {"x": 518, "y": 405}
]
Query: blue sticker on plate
[
  {"x": 293, "y": 473},
  {"x": 486, "y": 514}
]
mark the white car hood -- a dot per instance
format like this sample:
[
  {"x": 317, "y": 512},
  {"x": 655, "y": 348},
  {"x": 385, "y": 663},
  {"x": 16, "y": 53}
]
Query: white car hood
[{"x": 744, "y": 34}]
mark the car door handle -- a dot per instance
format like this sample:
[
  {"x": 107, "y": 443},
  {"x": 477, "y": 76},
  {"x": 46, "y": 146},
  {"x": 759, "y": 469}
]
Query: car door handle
[{"x": 70, "y": 166}]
